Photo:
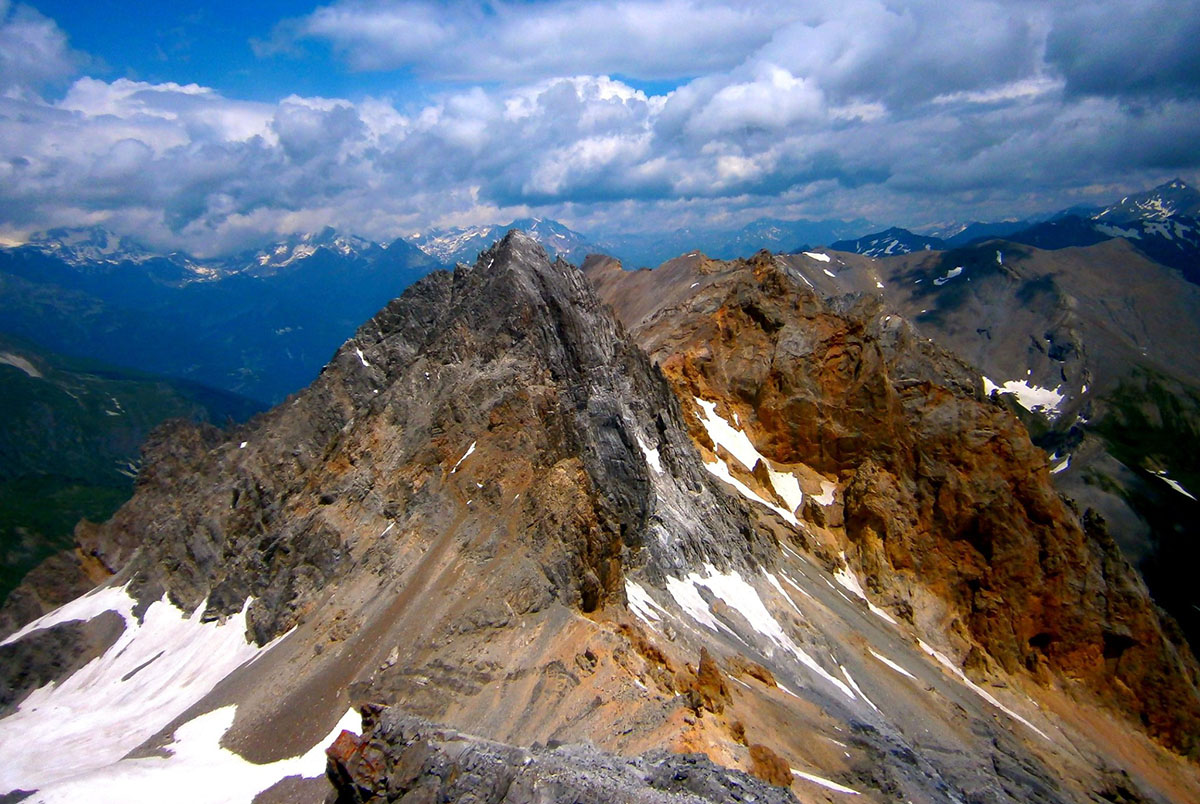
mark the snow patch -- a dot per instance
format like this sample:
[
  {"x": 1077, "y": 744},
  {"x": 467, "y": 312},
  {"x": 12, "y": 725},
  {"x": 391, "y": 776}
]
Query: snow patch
[
  {"x": 878, "y": 284},
  {"x": 198, "y": 769},
  {"x": 815, "y": 256},
  {"x": 829, "y": 273},
  {"x": 826, "y": 495},
  {"x": 787, "y": 486},
  {"x": 1029, "y": 396},
  {"x": 651, "y": 456},
  {"x": 360, "y": 357},
  {"x": 953, "y": 272},
  {"x": 154, "y": 672},
  {"x": 1061, "y": 466}
]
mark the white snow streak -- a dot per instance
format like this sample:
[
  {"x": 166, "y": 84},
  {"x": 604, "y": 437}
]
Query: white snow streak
[
  {"x": 980, "y": 691},
  {"x": 1173, "y": 484},
  {"x": 640, "y": 602},
  {"x": 739, "y": 595},
  {"x": 738, "y": 444},
  {"x": 466, "y": 455},
  {"x": 849, "y": 581},
  {"x": 892, "y": 664},
  {"x": 815, "y": 256},
  {"x": 824, "y": 782},
  {"x": 360, "y": 357}
]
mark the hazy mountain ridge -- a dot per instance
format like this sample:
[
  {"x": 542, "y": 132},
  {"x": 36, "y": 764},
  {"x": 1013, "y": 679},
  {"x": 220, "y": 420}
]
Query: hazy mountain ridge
[{"x": 260, "y": 324}]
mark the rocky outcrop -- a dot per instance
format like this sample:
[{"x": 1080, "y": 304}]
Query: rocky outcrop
[
  {"x": 944, "y": 505},
  {"x": 401, "y": 758}
]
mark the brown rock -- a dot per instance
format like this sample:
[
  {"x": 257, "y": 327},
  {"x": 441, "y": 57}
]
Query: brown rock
[
  {"x": 945, "y": 493},
  {"x": 769, "y": 766}
]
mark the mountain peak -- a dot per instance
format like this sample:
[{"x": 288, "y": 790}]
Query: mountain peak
[
  {"x": 1169, "y": 199},
  {"x": 84, "y": 244}
]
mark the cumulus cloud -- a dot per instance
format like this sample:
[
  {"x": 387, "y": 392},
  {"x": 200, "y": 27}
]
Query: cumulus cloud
[
  {"x": 896, "y": 111},
  {"x": 526, "y": 41},
  {"x": 34, "y": 52}
]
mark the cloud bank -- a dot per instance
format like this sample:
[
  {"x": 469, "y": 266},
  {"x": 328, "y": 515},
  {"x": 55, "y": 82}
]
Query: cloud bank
[{"x": 901, "y": 112}]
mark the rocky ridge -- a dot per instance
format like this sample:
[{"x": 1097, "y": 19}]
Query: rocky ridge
[
  {"x": 401, "y": 758},
  {"x": 947, "y": 509}
]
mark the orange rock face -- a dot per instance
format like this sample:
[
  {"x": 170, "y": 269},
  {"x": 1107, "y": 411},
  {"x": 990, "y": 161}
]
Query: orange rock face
[{"x": 942, "y": 502}]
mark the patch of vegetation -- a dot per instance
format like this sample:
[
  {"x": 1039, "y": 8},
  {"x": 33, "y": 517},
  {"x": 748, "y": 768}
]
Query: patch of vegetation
[
  {"x": 71, "y": 441},
  {"x": 38, "y": 516}
]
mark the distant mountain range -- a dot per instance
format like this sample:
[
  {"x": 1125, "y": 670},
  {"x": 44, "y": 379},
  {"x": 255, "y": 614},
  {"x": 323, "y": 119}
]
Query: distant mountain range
[
  {"x": 260, "y": 324},
  {"x": 638, "y": 250},
  {"x": 1162, "y": 223},
  {"x": 452, "y": 246}
]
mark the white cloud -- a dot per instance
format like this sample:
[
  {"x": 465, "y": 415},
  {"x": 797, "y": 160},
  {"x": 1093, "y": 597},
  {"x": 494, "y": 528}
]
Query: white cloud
[
  {"x": 527, "y": 41},
  {"x": 34, "y": 51},
  {"x": 889, "y": 110}
]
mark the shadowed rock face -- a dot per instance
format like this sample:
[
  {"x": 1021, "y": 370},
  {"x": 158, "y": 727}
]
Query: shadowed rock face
[{"x": 948, "y": 509}]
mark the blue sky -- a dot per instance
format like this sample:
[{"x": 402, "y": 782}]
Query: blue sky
[{"x": 214, "y": 126}]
